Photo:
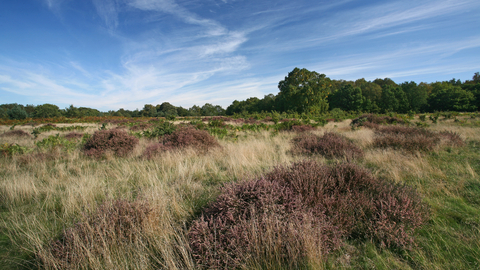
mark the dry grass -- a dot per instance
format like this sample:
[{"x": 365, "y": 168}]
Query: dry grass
[{"x": 42, "y": 197}]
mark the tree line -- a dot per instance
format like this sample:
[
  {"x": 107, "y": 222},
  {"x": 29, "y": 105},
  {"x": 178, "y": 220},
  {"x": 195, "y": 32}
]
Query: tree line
[{"x": 302, "y": 91}]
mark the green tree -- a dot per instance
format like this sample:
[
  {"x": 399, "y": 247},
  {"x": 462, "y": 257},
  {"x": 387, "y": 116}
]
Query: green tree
[
  {"x": 403, "y": 105},
  {"x": 72, "y": 111},
  {"x": 389, "y": 102},
  {"x": 416, "y": 94},
  {"x": 166, "y": 109},
  {"x": 17, "y": 112},
  {"x": 46, "y": 111},
  {"x": 148, "y": 111},
  {"x": 447, "y": 97},
  {"x": 304, "y": 91},
  {"x": 348, "y": 98}
]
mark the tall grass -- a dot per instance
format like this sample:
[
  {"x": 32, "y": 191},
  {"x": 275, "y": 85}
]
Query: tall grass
[{"x": 46, "y": 194}]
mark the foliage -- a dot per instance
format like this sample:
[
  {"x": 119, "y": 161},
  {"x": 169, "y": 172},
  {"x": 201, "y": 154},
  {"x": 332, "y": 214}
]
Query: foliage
[
  {"x": 160, "y": 129},
  {"x": 54, "y": 141},
  {"x": 7, "y": 149},
  {"x": 304, "y": 91},
  {"x": 17, "y": 113},
  {"x": 347, "y": 98},
  {"x": 46, "y": 111}
]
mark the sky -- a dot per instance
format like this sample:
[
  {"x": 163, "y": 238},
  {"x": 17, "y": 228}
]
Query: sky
[{"x": 112, "y": 54}]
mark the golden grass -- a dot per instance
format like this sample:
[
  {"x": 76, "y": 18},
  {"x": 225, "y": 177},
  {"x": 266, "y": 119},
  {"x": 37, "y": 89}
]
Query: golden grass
[{"x": 42, "y": 197}]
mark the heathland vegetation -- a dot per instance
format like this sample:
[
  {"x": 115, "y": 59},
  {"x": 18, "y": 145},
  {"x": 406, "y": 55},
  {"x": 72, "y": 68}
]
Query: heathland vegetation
[
  {"x": 375, "y": 191},
  {"x": 297, "y": 187}
]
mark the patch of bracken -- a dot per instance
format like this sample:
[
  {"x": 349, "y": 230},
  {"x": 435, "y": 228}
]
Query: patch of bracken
[
  {"x": 116, "y": 140},
  {"x": 330, "y": 145}
]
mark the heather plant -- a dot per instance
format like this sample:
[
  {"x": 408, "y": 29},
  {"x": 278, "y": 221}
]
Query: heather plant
[
  {"x": 374, "y": 120},
  {"x": 95, "y": 238},
  {"x": 73, "y": 135},
  {"x": 117, "y": 141},
  {"x": 257, "y": 220},
  {"x": 274, "y": 216},
  {"x": 15, "y": 133},
  {"x": 414, "y": 139},
  {"x": 329, "y": 145},
  {"x": 183, "y": 137},
  {"x": 360, "y": 205}
]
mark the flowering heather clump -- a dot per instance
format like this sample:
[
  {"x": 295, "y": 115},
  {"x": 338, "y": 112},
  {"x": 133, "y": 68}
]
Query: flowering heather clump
[
  {"x": 413, "y": 139},
  {"x": 302, "y": 128},
  {"x": 329, "y": 145},
  {"x": 15, "y": 133},
  {"x": 252, "y": 219},
  {"x": 73, "y": 135},
  {"x": 116, "y": 140},
  {"x": 373, "y": 120},
  {"x": 277, "y": 215},
  {"x": 113, "y": 224},
  {"x": 141, "y": 126},
  {"x": 183, "y": 137},
  {"x": 451, "y": 138},
  {"x": 362, "y": 206}
]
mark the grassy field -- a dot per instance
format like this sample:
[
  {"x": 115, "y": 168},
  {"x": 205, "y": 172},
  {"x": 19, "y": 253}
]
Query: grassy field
[{"x": 47, "y": 190}]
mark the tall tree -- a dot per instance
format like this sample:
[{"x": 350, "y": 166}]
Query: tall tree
[
  {"x": 304, "y": 91},
  {"x": 46, "y": 111},
  {"x": 347, "y": 98}
]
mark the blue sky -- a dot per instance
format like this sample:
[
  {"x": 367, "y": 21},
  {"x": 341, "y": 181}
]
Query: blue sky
[{"x": 111, "y": 54}]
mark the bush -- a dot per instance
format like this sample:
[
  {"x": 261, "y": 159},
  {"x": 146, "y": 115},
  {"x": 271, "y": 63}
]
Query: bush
[
  {"x": 256, "y": 219},
  {"x": 360, "y": 205},
  {"x": 114, "y": 224},
  {"x": 73, "y": 135},
  {"x": 414, "y": 139},
  {"x": 182, "y": 138},
  {"x": 281, "y": 215},
  {"x": 15, "y": 133},
  {"x": 329, "y": 145},
  {"x": 375, "y": 120},
  {"x": 116, "y": 140}
]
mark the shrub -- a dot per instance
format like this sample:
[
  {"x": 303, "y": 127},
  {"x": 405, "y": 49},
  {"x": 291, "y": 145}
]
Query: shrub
[
  {"x": 161, "y": 129},
  {"x": 182, "y": 138},
  {"x": 414, "y": 139},
  {"x": 116, "y": 140},
  {"x": 15, "y": 133},
  {"x": 360, "y": 205},
  {"x": 375, "y": 120},
  {"x": 114, "y": 224},
  {"x": 253, "y": 219},
  {"x": 73, "y": 135},
  {"x": 276, "y": 216},
  {"x": 55, "y": 141},
  {"x": 329, "y": 145}
]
